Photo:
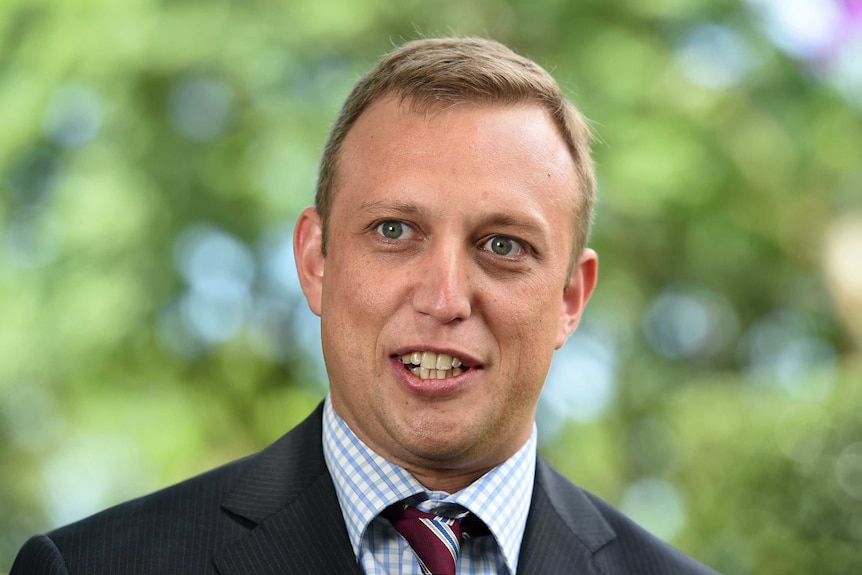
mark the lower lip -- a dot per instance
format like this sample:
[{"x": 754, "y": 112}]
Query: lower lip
[{"x": 433, "y": 388}]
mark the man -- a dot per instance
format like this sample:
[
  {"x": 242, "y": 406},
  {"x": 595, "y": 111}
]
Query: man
[{"x": 446, "y": 257}]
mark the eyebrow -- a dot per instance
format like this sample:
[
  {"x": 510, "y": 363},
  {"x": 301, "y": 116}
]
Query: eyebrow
[
  {"x": 499, "y": 219},
  {"x": 384, "y": 207}
]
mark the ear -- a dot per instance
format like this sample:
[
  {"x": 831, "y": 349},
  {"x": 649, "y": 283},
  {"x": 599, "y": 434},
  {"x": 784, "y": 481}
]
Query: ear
[
  {"x": 577, "y": 294},
  {"x": 308, "y": 253}
]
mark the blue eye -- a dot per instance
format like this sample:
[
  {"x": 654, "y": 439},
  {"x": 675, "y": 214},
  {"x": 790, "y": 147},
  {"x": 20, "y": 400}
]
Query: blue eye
[
  {"x": 393, "y": 229},
  {"x": 503, "y": 246}
]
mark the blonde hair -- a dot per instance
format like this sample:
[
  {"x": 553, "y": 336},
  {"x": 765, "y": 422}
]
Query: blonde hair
[{"x": 443, "y": 72}]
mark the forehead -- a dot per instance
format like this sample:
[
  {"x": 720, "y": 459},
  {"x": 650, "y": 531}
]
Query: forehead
[{"x": 511, "y": 151}]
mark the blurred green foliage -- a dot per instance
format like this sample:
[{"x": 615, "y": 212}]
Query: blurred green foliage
[{"x": 152, "y": 158}]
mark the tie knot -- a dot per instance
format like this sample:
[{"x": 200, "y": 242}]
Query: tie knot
[{"x": 436, "y": 540}]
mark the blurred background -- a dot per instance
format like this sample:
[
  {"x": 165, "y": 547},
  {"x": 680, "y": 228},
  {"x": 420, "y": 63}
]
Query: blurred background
[{"x": 154, "y": 154}]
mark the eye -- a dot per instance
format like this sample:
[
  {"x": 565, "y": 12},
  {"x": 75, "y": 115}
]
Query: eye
[
  {"x": 394, "y": 230},
  {"x": 503, "y": 246}
]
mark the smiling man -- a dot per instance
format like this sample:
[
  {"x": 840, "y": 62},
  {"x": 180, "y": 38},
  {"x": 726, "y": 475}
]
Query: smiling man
[
  {"x": 448, "y": 244},
  {"x": 446, "y": 257}
]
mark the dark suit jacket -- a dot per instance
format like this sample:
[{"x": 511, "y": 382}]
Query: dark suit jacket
[{"x": 276, "y": 512}]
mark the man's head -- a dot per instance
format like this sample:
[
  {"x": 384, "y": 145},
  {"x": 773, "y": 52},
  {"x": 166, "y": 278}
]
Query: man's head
[
  {"x": 449, "y": 235},
  {"x": 434, "y": 74}
]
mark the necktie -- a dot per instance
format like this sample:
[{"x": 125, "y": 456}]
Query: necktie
[{"x": 436, "y": 540}]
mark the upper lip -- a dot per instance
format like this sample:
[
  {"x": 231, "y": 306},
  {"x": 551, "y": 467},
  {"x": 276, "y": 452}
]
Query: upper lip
[{"x": 467, "y": 359}]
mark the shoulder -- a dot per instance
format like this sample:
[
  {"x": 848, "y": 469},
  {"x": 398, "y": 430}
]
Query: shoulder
[
  {"x": 178, "y": 529},
  {"x": 39, "y": 555},
  {"x": 617, "y": 544},
  {"x": 144, "y": 535}
]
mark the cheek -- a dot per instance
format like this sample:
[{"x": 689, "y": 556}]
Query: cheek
[
  {"x": 357, "y": 287},
  {"x": 535, "y": 316},
  {"x": 360, "y": 304},
  {"x": 529, "y": 343},
  {"x": 526, "y": 340}
]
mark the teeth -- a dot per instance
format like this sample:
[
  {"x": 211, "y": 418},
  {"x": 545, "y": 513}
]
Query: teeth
[
  {"x": 429, "y": 360},
  {"x": 430, "y": 365},
  {"x": 436, "y": 373},
  {"x": 444, "y": 361}
]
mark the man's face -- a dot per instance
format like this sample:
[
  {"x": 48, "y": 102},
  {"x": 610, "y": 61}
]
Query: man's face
[{"x": 448, "y": 246}]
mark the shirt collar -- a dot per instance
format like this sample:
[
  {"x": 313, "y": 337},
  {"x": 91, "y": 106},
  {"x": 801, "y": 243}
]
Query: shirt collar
[{"x": 366, "y": 484}]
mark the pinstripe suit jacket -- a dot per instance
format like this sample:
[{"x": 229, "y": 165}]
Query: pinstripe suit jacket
[{"x": 276, "y": 512}]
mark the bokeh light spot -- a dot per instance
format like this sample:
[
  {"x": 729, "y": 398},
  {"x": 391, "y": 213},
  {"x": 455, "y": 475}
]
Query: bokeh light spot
[
  {"x": 783, "y": 350},
  {"x": 214, "y": 262},
  {"x": 581, "y": 381},
  {"x": 803, "y": 28},
  {"x": 98, "y": 469},
  {"x": 655, "y": 504},
  {"x": 201, "y": 107},
  {"x": 714, "y": 56},
  {"x": 220, "y": 270},
  {"x": 74, "y": 116},
  {"x": 685, "y": 323}
]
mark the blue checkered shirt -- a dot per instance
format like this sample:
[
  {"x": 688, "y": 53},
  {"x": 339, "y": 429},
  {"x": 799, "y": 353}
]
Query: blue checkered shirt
[{"x": 366, "y": 484}]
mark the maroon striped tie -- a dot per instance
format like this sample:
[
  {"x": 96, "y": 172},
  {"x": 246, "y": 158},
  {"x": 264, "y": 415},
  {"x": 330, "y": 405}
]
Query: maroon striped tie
[{"x": 435, "y": 540}]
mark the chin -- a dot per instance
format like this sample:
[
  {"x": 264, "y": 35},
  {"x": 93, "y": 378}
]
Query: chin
[{"x": 436, "y": 447}]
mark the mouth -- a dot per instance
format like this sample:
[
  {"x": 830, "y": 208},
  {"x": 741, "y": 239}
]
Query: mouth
[{"x": 431, "y": 365}]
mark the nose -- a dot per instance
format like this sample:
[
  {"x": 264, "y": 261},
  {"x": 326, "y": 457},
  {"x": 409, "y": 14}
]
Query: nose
[{"x": 442, "y": 289}]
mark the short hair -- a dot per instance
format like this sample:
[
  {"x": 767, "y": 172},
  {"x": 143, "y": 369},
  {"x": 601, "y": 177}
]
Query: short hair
[{"x": 443, "y": 72}]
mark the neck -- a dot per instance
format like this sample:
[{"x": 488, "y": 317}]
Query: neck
[{"x": 448, "y": 481}]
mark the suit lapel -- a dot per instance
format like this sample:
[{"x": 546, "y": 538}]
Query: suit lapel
[
  {"x": 306, "y": 537},
  {"x": 288, "y": 500},
  {"x": 564, "y": 530}
]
